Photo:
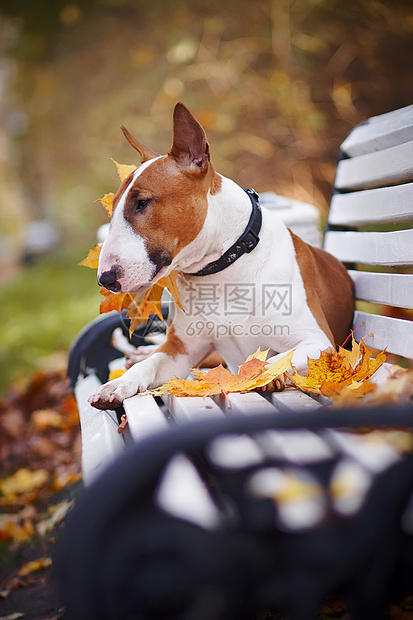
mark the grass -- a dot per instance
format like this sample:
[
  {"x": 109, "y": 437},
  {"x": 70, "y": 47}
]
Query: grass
[{"x": 43, "y": 309}]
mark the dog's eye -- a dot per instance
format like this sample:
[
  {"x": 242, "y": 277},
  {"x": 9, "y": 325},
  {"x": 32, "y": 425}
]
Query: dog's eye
[{"x": 142, "y": 203}]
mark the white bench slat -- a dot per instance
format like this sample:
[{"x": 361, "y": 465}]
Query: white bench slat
[
  {"x": 373, "y": 248},
  {"x": 182, "y": 493},
  {"x": 101, "y": 442},
  {"x": 234, "y": 451},
  {"x": 374, "y": 456},
  {"x": 380, "y": 132},
  {"x": 388, "y": 167},
  {"x": 292, "y": 399},
  {"x": 250, "y": 402},
  {"x": 144, "y": 416},
  {"x": 385, "y": 204},
  {"x": 299, "y": 446},
  {"x": 394, "y": 335},
  {"x": 191, "y": 408},
  {"x": 391, "y": 289}
]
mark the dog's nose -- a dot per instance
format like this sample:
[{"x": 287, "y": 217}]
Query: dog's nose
[{"x": 109, "y": 280}]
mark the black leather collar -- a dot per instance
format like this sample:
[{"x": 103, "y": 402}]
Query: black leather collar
[{"x": 245, "y": 244}]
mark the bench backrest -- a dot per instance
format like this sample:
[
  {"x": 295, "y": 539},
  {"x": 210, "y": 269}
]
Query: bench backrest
[{"x": 370, "y": 226}]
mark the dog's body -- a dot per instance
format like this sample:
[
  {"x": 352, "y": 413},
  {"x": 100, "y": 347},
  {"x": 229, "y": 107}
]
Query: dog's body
[{"x": 176, "y": 213}]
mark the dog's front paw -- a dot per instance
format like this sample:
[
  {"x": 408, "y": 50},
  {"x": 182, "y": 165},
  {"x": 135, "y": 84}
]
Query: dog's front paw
[{"x": 112, "y": 394}]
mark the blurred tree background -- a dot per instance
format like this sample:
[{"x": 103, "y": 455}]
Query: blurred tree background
[{"x": 277, "y": 84}]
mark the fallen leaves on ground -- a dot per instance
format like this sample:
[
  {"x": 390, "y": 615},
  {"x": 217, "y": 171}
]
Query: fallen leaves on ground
[
  {"x": 338, "y": 371},
  {"x": 39, "y": 455},
  {"x": 20, "y": 484},
  {"x": 34, "y": 566},
  {"x": 252, "y": 374}
]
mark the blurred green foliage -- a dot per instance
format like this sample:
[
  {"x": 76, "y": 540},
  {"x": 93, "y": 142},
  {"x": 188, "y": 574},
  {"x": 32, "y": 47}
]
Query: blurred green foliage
[{"x": 42, "y": 309}]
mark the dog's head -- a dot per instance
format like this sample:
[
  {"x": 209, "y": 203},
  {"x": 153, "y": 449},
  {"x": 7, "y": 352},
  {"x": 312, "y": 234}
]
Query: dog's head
[{"x": 159, "y": 209}]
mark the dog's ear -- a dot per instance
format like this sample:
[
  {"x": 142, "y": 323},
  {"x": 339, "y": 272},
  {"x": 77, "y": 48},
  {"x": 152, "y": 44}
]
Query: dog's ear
[
  {"x": 145, "y": 152},
  {"x": 189, "y": 147}
]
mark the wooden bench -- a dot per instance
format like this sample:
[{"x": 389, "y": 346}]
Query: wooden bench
[{"x": 219, "y": 510}]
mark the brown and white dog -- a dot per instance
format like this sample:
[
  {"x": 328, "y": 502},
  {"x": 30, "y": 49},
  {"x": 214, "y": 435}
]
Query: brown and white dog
[{"x": 247, "y": 281}]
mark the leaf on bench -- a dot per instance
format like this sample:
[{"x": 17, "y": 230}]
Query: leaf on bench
[
  {"x": 335, "y": 371},
  {"x": 396, "y": 390},
  {"x": 252, "y": 374}
]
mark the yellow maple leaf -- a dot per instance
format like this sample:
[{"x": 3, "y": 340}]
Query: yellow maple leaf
[
  {"x": 252, "y": 374},
  {"x": 65, "y": 479},
  {"x": 140, "y": 306},
  {"x": 92, "y": 259},
  {"x": 23, "y": 481},
  {"x": 47, "y": 418},
  {"x": 336, "y": 370},
  {"x": 107, "y": 203},
  {"x": 143, "y": 305},
  {"x": 10, "y": 530},
  {"x": 170, "y": 283},
  {"x": 114, "y": 301},
  {"x": 116, "y": 373},
  {"x": 124, "y": 170},
  {"x": 260, "y": 355},
  {"x": 34, "y": 566},
  {"x": 139, "y": 310}
]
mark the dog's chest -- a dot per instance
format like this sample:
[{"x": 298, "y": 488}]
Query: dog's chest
[{"x": 259, "y": 301}]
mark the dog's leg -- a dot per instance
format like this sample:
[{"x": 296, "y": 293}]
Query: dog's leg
[{"x": 173, "y": 358}]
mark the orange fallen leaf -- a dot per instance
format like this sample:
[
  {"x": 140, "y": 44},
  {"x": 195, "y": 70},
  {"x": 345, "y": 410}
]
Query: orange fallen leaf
[
  {"x": 107, "y": 203},
  {"x": 336, "y": 371},
  {"x": 23, "y": 481},
  {"x": 57, "y": 514},
  {"x": 170, "y": 283},
  {"x": 124, "y": 170},
  {"x": 396, "y": 390},
  {"x": 65, "y": 479},
  {"x": 123, "y": 425},
  {"x": 44, "y": 418},
  {"x": 115, "y": 374},
  {"x": 141, "y": 306},
  {"x": 92, "y": 259},
  {"x": 11, "y": 530},
  {"x": 252, "y": 374},
  {"x": 70, "y": 411},
  {"x": 34, "y": 566},
  {"x": 114, "y": 301},
  {"x": 139, "y": 310}
]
